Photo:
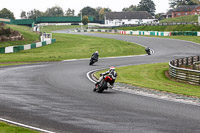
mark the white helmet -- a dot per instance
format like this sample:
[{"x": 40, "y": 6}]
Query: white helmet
[
  {"x": 96, "y": 52},
  {"x": 112, "y": 68}
]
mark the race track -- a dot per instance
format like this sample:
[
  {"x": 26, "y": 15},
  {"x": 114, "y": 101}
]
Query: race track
[{"x": 58, "y": 97}]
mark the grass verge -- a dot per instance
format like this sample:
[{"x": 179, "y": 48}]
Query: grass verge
[
  {"x": 153, "y": 76},
  {"x": 74, "y": 47},
  {"x": 8, "y": 128},
  {"x": 59, "y": 27},
  {"x": 187, "y": 27},
  {"x": 189, "y": 18}
]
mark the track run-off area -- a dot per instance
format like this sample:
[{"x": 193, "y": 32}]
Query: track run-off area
[{"x": 58, "y": 97}]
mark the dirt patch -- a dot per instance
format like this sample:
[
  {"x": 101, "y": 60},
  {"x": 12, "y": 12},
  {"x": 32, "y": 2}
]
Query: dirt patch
[{"x": 7, "y": 34}]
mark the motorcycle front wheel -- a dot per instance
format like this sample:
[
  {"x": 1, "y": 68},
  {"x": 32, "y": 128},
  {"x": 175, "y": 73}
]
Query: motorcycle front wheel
[
  {"x": 91, "y": 62},
  {"x": 101, "y": 86}
]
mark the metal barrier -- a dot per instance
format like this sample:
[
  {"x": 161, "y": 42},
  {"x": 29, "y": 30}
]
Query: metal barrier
[{"x": 184, "y": 69}]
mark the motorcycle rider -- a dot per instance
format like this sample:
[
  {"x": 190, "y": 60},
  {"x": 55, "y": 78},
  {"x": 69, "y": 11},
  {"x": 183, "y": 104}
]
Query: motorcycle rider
[
  {"x": 112, "y": 73},
  {"x": 147, "y": 49},
  {"x": 95, "y": 55}
]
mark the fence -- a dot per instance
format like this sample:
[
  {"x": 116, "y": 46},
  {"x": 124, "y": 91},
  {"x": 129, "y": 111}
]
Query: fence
[
  {"x": 152, "y": 33},
  {"x": 186, "y": 69},
  {"x": 12, "y": 49},
  {"x": 159, "y": 24}
]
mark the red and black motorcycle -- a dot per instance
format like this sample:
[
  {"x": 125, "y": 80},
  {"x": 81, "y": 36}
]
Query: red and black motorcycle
[{"x": 103, "y": 84}]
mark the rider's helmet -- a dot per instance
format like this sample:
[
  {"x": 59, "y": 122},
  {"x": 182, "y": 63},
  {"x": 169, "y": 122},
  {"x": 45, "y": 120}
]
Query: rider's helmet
[
  {"x": 112, "y": 68},
  {"x": 96, "y": 52}
]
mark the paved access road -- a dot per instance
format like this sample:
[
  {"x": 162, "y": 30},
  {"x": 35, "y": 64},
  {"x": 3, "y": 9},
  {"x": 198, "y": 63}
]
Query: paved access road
[{"x": 58, "y": 96}]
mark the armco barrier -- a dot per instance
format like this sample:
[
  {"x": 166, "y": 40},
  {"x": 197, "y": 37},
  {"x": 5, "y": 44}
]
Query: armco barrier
[
  {"x": 39, "y": 44},
  {"x": 44, "y": 43},
  {"x": 18, "y": 48},
  {"x": 152, "y": 33},
  {"x": 178, "y": 72},
  {"x": 2, "y": 50},
  {"x": 27, "y": 47},
  {"x": 9, "y": 49},
  {"x": 33, "y": 45}
]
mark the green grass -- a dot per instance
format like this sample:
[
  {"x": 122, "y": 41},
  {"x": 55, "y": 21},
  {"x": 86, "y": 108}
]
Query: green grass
[
  {"x": 153, "y": 76},
  {"x": 58, "y": 27},
  {"x": 188, "y": 27},
  {"x": 189, "y": 18},
  {"x": 29, "y": 36},
  {"x": 8, "y": 128},
  {"x": 74, "y": 47}
]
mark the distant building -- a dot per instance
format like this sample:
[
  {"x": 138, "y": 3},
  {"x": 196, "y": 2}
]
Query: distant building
[
  {"x": 199, "y": 20},
  {"x": 126, "y": 18},
  {"x": 185, "y": 10},
  {"x": 169, "y": 13}
]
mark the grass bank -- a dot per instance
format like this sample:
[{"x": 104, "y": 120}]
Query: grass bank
[
  {"x": 189, "y": 18},
  {"x": 8, "y": 128},
  {"x": 74, "y": 47},
  {"x": 59, "y": 27},
  {"x": 188, "y": 27},
  {"x": 153, "y": 76}
]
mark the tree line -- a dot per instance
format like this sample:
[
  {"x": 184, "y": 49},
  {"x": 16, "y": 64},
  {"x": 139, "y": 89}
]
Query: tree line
[
  {"x": 97, "y": 13},
  {"x": 175, "y": 3},
  {"x": 149, "y": 6}
]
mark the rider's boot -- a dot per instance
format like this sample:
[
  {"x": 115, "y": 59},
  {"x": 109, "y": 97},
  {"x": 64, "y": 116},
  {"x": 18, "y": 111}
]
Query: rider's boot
[{"x": 95, "y": 88}]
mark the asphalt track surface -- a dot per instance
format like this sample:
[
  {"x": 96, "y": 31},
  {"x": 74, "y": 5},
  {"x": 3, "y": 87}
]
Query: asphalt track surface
[{"x": 58, "y": 97}]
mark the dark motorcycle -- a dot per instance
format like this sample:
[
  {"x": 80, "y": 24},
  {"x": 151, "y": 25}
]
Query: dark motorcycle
[
  {"x": 103, "y": 84},
  {"x": 93, "y": 60}
]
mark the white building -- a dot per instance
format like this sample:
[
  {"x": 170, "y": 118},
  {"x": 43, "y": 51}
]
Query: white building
[
  {"x": 125, "y": 18},
  {"x": 199, "y": 20}
]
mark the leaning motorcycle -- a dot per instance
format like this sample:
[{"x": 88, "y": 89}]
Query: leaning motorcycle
[
  {"x": 103, "y": 84},
  {"x": 148, "y": 51},
  {"x": 92, "y": 60}
]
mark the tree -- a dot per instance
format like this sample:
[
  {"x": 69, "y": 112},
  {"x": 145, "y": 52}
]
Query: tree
[
  {"x": 97, "y": 15},
  {"x": 54, "y": 11},
  {"x": 88, "y": 11},
  {"x": 23, "y": 15},
  {"x": 147, "y": 5},
  {"x": 33, "y": 14},
  {"x": 69, "y": 12},
  {"x": 102, "y": 12},
  {"x": 160, "y": 16},
  {"x": 176, "y": 3},
  {"x": 5, "y": 13},
  {"x": 130, "y": 8},
  {"x": 85, "y": 20}
]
